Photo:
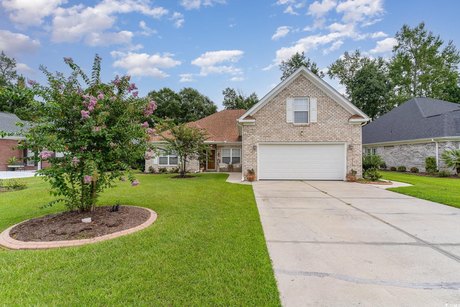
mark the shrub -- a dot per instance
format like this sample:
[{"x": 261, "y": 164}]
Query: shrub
[
  {"x": 151, "y": 170},
  {"x": 414, "y": 170},
  {"x": 430, "y": 165},
  {"x": 12, "y": 184},
  {"x": 401, "y": 169},
  {"x": 444, "y": 174},
  {"x": 371, "y": 162},
  {"x": 383, "y": 165},
  {"x": 174, "y": 170},
  {"x": 393, "y": 169},
  {"x": 162, "y": 170},
  {"x": 372, "y": 174},
  {"x": 452, "y": 159},
  {"x": 100, "y": 128}
]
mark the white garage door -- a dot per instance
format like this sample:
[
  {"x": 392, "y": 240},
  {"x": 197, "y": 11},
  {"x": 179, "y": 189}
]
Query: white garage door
[{"x": 302, "y": 161}]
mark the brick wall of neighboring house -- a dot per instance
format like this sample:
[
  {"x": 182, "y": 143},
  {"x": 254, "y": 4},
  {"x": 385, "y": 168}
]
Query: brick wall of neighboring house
[
  {"x": 332, "y": 125},
  {"x": 7, "y": 150},
  {"x": 414, "y": 155}
]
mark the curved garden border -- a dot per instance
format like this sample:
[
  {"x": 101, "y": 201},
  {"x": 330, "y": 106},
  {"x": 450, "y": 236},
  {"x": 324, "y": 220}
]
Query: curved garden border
[{"x": 10, "y": 243}]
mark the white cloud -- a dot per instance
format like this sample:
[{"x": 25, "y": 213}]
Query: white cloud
[
  {"x": 379, "y": 34},
  {"x": 30, "y": 12},
  {"x": 290, "y": 10},
  {"x": 146, "y": 30},
  {"x": 185, "y": 78},
  {"x": 237, "y": 79},
  {"x": 384, "y": 46},
  {"x": 92, "y": 24},
  {"x": 13, "y": 43},
  {"x": 143, "y": 64},
  {"x": 334, "y": 46},
  {"x": 281, "y": 32},
  {"x": 196, "y": 4},
  {"x": 23, "y": 68},
  {"x": 219, "y": 62},
  {"x": 319, "y": 9},
  {"x": 178, "y": 19},
  {"x": 109, "y": 38},
  {"x": 360, "y": 10}
]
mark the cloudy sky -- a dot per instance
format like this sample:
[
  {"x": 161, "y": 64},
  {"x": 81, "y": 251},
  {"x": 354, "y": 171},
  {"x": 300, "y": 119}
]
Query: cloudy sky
[{"x": 207, "y": 44}]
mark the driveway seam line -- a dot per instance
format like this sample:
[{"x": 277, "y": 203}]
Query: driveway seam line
[{"x": 441, "y": 251}]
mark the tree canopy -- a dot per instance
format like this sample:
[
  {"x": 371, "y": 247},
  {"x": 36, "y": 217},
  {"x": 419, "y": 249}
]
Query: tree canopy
[
  {"x": 15, "y": 96},
  {"x": 182, "y": 107},
  {"x": 366, "y": 82},
  {"x": 237, "y": 100},
  {"x": 422, "y": 67},
  {"x": 288, "y": 67}
]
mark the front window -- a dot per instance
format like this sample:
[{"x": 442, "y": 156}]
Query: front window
[
  {"x": 300, "y": 109},
  {"x": 371, "y": 151},
  {"x": 231, "y": 155},
  {"x": 168, "y": 160}
]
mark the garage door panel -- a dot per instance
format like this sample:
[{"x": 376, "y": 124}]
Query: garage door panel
[{"x": 302, "y": 161}]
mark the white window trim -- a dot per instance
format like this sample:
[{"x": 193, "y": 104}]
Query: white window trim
[
  {"x": 308, "y": 110},
  {"x": 231, "y": 154},
  {"x": 168, "y": 157}
]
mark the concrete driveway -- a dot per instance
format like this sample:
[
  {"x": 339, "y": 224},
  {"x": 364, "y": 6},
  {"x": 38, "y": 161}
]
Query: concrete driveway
[{"x": 349, "y": 244}]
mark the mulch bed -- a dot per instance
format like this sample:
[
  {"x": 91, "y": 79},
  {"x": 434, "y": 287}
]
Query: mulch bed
[
  {"x": 375, "y": 182},
  {"x": 68, "y": 225}
]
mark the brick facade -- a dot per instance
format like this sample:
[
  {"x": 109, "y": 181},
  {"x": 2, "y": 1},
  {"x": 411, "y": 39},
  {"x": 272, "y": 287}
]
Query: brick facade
[
  {"x": 332, "y": 125},
  {"x": 414, "y": 155},
  {"x": 7, "y": 150}
]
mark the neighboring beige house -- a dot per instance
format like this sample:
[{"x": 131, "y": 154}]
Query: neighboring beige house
[{"x": 303, "y": 129}]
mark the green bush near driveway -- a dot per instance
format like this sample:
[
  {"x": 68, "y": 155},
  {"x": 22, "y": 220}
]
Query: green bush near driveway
[{"x": 206, "y": 248}]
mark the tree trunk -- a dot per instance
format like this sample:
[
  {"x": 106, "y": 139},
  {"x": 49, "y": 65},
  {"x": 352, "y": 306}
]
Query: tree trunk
[{"x": 183, "y": 166}]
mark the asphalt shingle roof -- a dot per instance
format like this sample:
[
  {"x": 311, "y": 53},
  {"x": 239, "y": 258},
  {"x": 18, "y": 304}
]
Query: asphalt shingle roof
[
  {"x": 8, "y": 122},
  {"x": 417, "y": 118},
  {"x": 220, "y": 126}
]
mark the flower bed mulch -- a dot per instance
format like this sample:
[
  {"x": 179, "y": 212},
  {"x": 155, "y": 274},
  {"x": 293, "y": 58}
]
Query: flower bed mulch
[
  {"x": 375, "y": 182},
  {"x": 68, "y": 225}
]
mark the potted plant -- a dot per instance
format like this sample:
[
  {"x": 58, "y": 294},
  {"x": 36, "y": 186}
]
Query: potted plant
[
  {"x": 351, "y": 176},
  {"x": 14, "y": 163},
  {"x": 250, "y": 175}
]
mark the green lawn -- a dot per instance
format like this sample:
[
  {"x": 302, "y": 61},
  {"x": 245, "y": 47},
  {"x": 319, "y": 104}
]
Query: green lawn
[
  {"x": 206, "y": 248},
  {"x": 442, "y": 190}
]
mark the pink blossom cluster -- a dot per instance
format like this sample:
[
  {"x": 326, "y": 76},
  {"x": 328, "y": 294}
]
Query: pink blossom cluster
[
  {"x": 145, "y": 125},
  {"x": 151, "y": 107},
  {"x": 150, "y": 131},
  {"x": 31, "y": 82},
  {"x": 117, "y": 80},
  {"x": 75, "y": 161},
  {"x": 45, "y": 154},
  {"x": 87, "y": 179},
  {"x": 135, "y": 182},
  {"x": 132, "y": 87}
]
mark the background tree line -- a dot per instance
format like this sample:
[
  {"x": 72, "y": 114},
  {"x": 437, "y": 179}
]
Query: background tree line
[{"x": 421, "y": 64}]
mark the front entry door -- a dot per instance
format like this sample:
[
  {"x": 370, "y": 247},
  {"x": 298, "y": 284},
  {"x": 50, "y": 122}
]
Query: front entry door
[{"x": 212, "y": 160}]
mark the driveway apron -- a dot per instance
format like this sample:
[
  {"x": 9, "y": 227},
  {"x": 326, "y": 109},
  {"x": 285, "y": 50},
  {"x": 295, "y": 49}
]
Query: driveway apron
[{"x": 350, "y": 244}]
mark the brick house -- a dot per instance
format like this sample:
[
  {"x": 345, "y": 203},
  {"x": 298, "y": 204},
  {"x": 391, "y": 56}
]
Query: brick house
[
  {"x": 302, "y": 129},
  {"x": 417, "y": 129},
  {"x": 9, "y": 144}
]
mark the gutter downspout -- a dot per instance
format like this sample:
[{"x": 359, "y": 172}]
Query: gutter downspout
[{"x": 437, "y": 152}]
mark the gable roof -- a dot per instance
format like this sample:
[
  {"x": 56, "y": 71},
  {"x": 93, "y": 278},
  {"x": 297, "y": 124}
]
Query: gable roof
[
  {"x": 221, "y": 127},
  {"x": 417, "y": 118},
  {"x": 8, "y": 123},
  {"x": 320, "y": 83}
]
